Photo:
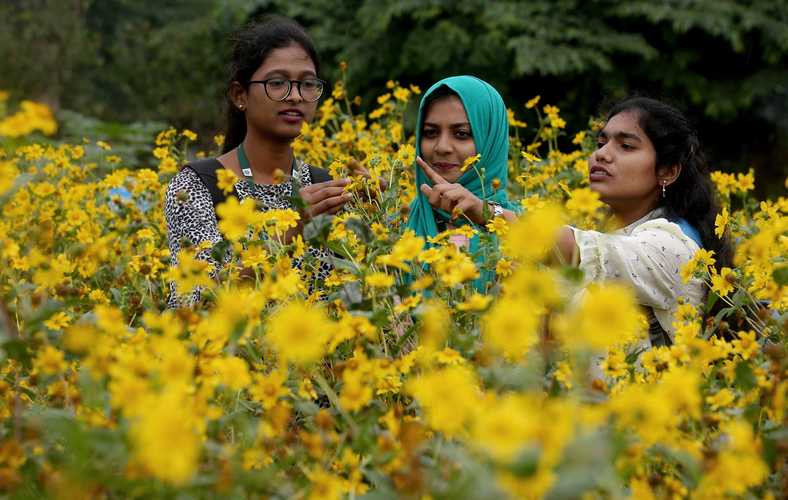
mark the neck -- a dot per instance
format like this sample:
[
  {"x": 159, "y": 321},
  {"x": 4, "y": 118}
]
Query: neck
[{"x": 267, "y": 156}]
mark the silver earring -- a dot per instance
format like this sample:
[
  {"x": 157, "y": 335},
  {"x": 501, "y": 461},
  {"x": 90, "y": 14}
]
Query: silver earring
[
  {"x": 663, "y": 189},
  {"x": 241, "y": 107}
]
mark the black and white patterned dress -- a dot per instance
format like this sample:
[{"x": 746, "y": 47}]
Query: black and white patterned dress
[{"x": 191, "y": 218}]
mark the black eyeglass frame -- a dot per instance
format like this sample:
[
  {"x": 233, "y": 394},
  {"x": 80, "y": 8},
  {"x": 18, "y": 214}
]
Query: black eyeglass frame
[{"x": 290, "y": 87}]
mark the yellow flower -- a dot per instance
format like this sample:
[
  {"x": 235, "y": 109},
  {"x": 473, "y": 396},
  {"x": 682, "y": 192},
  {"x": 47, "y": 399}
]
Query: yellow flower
[
  {"x": 233, "y": 372},
  {"x": 268, "y": 389},
  {"x": 235, "y": 218},
  {"x": 745, "y": 182},
  {"x": 50, "y": 361},
  {"x": 699, "y": 263},
  {"x": 470, "y": 161},
  {"x": 510, "y": 327},
  {"x": 514, "y": 122},
  {"x": 189, "y": 135},
  {"x": 534, "y": 234},
  {"x": 225, "y": 180},
  {"x": 583, "y": 202},
  {"x": 356, "y": 393},
  {"x": 606, "y": 316},
  {"x": 723, "y": 398},
  {"x": 532, "y": 102},
  {"x": 379, "y": 280},
  {"x": 723, "y": 283},
  {"x": 299, "y": 333},
  {"x": 448, "y": 398},
  {"x": 498, "y": 225},
  {"x": 58, "y": 321},
  {"x": 530, "y": 157},
  {"x": 746, "y": 345},
  {"x": 189, "y": 274},
  {"x": 721, "y": 222},
  {"x": 165, "y": 437},
  {"x": 476, "y": 302}
]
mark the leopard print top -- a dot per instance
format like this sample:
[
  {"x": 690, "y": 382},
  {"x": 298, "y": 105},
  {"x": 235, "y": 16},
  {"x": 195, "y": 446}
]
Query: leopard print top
[{"x": 191, "y": 219}]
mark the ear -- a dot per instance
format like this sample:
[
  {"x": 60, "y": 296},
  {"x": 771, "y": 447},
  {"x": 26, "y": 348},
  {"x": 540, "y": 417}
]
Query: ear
[
  {"x": 668, "y": 175},
  {"x": 237, "y": 95}
]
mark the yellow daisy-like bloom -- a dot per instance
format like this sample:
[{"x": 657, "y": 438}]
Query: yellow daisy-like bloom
[
  {"x": 723, "y": 283},
  {"x": 721, "y": 222},
  {"x": 299, "y": 333}
]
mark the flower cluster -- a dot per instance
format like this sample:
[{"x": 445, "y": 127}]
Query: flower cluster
[{"x": 393, "y": 375}]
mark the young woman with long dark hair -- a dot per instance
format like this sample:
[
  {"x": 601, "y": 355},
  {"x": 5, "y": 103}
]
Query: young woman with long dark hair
[
  {"x": 273, "y": 89},
  {"x": 650, "y": 170}
]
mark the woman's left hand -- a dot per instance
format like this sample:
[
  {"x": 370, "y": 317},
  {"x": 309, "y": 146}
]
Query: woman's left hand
[{"x": 451, "y": 197}]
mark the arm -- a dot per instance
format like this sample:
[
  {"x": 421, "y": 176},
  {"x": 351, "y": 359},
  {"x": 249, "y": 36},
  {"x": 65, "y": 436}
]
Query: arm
[
  {"x": 190, "y": 215},
  {"x": 649, "y": 260},
  {"x": 567, "y": 247}
]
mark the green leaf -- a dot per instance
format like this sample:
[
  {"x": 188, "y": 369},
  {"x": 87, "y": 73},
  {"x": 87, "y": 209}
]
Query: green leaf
[
  {"x": 745, "y": 378},
  {"x": 780, "y": 276}
]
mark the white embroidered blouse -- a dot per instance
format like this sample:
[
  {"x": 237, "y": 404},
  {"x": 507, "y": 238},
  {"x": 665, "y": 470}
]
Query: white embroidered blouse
[{"x": 648, "y": 254}]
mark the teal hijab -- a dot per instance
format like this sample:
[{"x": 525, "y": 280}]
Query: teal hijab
[{"x": 490, "y": 129}]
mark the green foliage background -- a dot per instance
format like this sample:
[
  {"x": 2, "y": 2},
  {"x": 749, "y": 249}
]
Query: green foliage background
[{"x": 724, "y": 61}]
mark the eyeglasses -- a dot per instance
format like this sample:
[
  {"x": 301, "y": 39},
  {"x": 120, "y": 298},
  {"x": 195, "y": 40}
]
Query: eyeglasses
[{"x": 278, "y": 89}]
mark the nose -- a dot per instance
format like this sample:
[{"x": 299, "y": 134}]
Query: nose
[
  {"x": 295, "y": 93},
  {"x": 603, "y": 153},
  {"x": 443, "y": 144}
]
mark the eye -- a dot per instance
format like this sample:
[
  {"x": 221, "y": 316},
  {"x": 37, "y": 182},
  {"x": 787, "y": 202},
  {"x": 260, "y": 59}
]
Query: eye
[
  {"x": 311, "y": 84},
  {"x": 627, "y": 147},
  {"x": 429, "y": 133},
  {"x": 600, "y": 141},
  {"x": 276, "y": 83},
  {"x": 463, "y": 134}
]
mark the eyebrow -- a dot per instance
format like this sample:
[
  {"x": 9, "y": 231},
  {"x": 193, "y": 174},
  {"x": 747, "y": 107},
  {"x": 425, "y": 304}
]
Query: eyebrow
[
  {"x": 284, "y": 72},
  {"x": 453, "y": 125},
  {"x": 620, "y": 136}
]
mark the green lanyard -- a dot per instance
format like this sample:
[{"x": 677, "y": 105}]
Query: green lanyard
[{"x": 246, "y": 169}]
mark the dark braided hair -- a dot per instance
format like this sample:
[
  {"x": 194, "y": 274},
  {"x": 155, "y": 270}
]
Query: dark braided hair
[
  {"x": 692, "y": 195},
  {"x": 250, "y": 48}
]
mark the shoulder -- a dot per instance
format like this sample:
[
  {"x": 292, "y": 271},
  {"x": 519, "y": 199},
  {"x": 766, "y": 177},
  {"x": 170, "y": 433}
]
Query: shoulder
[
  {"x": 665, "y": 235},
  {"x": 187, "y": 179},
  {"x": 186, "y": 192},
  {"x": 311, "y": 174}
]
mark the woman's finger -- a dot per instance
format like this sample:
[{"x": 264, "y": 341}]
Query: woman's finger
[
  {"x": 322, "y": 185},
  {"x": 320, "y": 195},
  {"x": 431, "y": 174},
  {"x": 329, "y": 203}
]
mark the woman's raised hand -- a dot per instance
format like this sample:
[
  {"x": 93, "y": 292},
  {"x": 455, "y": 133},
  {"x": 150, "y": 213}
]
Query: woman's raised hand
[
  {"x": 325, "y": 197},
  {"x": 451, "y": 197}
]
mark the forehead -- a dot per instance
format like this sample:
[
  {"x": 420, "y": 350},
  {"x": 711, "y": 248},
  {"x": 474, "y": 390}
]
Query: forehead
[
  {"x": 627, "y": 122},
  {"x": 447, "y": 109},
  {"x": 290, "y": 59}
]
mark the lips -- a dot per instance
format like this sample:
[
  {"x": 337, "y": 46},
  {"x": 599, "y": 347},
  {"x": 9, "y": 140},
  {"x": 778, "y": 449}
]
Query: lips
[
  {"x": 597, "y": 173},
  {"x": 291, "y": 115},
  {"x": 444, "y": 166}
]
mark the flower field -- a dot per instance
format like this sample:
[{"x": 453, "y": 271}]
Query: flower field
[{"x": 394, "y": 377}]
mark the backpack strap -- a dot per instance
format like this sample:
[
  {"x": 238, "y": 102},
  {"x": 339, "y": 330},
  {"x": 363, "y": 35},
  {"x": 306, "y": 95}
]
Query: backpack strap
[
  {"x": 318, "y": 174},
  {"x": 206, "y": 170},
  {"x": 689, "y": 230}
]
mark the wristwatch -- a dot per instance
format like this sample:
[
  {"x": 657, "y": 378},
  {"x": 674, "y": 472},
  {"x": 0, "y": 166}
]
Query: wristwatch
[{"x": 495, "y": 208}]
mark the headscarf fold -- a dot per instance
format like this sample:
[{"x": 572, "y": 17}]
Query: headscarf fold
[{"x": 490, "y": 130}]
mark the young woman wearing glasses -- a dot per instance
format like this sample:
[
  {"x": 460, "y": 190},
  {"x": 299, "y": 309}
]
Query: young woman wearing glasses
[{"x": 273, "y": 89}]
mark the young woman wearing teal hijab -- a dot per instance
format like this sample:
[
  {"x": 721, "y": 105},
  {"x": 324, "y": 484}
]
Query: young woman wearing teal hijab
[{"x": 459, "y": 117}]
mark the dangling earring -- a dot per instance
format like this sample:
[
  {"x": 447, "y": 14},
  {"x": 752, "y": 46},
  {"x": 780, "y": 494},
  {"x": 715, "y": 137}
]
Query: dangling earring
[{"x": 663, "y": 189}]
